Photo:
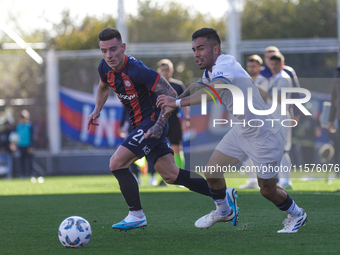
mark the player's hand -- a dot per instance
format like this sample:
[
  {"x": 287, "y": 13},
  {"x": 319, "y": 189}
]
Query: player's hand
[
  {"x": 163, "y": 100},
  {"x": 90, "y": 119},
  {"x": 155, "y": 131}
]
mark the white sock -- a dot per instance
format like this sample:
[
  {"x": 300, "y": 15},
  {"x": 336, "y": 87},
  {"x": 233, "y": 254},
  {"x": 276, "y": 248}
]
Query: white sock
[
  {"x": 294, "y": 210},
  {"x": 138, "y": 214},
  {"x": 222, "y": 207}
]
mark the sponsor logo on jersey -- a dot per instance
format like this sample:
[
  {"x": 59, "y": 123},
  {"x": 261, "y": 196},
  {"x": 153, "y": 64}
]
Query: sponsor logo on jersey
[
  {"x": 219, "y": 73},
  {"x": 128, "y": 97}
]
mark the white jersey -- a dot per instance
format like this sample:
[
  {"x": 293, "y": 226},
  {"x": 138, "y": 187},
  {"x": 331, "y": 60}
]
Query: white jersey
[
  {"x": 262, "y": 82},
  {"x": 279, "y": 81},
  {"x": 228, "y": 69}
]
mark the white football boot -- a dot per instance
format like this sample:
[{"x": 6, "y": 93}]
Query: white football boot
[
  {"x": 292, "y": 225},
  {"x": 210, "y": 219}
]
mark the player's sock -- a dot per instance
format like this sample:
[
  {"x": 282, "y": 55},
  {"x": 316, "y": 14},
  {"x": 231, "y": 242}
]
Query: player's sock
[
  {"x": 290, "y": 207},
  {"x": 220, "y": 200},
  {"x": 178, "y": 160},
  {"x": 192, "y": 181},
  {"x": 139, "y": 213},
  {"x": 129, "y": 188}
]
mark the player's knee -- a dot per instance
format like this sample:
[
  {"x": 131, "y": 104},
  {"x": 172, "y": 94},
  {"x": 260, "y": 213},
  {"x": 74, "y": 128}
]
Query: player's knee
[
  {"x": 115, "y": 164},
  {"x": 170, "y": 178},
  {"x": 267, "y": 192}
]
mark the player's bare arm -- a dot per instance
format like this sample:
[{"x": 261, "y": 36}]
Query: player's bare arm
[
  {"x": 194, "y": 99},
  {"x": 163, "y": 87},
  {"x": 102, "y": 95},
  {"x": 194, "y": 87}
]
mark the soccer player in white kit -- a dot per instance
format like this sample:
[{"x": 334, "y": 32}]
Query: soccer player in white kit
[{"x": 263, "y": 144}]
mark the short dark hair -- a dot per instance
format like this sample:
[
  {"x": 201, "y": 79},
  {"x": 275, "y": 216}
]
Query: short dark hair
[
  {"x": 109, "y": 34},
  {"x": 209, "y": 33},
  {"x": 277, "y": 56}
]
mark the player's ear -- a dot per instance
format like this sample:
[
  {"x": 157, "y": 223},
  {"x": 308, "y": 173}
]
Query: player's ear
[
  {"x": 217, "y": 49},
  {"x": 124, "y": 47}
]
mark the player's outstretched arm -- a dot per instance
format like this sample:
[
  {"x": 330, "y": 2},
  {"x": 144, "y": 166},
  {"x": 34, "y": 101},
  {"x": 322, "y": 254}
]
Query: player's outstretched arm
[
  {"x": 193, "y": 99},
  {"x": 194, "y": 87},
  {"x": 102, "y": 95}
]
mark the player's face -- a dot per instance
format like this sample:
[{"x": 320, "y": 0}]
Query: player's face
[
  {"x": 253, "y": 68},
  {"x": 267, "y": 56},
  {"x": 113, "y": 53},
  {"x": 205, "y": 54},
  {"x": 275, "y": 66},
  {"x": 165, "y": 71}
]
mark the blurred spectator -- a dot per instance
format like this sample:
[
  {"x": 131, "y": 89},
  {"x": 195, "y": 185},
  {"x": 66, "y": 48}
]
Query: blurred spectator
[
  {"x": 280, "y": 79},
  {"x": 335, "y": 116},
  {"x": 266, "y": 72},
  {"x": 25, "y": 144},
  {"x": 6, "y": 160},
  {"x": 166, "y": 69},
  {"x": 254, "y": 66}
]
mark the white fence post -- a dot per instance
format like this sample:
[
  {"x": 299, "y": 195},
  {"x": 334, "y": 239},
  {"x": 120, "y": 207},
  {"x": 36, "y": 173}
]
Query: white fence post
[{"x": 52, "y": 96}]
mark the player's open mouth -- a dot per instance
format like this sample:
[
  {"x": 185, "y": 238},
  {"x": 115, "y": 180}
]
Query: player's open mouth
[{"x": 199, "y": 62}]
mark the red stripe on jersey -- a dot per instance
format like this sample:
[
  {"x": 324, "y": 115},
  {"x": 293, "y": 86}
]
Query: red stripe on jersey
[
  {"x": 111, "y": 78},
  {"x": 154, "y": 85},
  {"x": 134, "y": 101}
]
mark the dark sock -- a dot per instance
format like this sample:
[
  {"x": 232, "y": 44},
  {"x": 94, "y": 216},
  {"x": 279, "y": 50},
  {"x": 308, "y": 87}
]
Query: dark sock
[
  {"x": 218, "y": 194},
  {"x": 129, "y": 188},
  {"x": 192, "y": 181},
  {"x": 284, "y": 206}
]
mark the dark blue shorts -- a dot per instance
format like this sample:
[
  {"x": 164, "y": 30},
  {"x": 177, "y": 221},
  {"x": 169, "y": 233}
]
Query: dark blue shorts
[{"x": 151, "y": 148}]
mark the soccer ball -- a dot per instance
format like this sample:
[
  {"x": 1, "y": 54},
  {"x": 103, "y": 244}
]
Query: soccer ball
[{"x": 74, "y": 232}]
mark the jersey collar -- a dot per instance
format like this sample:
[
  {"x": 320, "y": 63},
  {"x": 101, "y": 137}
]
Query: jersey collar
[{"x": 120, "y": 69}]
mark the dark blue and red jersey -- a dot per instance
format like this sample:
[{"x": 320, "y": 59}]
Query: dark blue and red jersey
[{"x": 134, "y": 84}]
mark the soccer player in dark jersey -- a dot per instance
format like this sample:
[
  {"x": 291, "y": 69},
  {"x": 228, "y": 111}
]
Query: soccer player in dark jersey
[{"x": 138, "y": 87}]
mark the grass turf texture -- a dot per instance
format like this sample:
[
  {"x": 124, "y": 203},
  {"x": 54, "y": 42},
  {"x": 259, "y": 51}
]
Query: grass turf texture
[{"x": 29, "y": 223}]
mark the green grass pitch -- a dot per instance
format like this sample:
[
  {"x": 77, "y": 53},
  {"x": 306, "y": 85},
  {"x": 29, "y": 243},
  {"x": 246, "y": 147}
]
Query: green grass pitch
[{"x": 30, "y": 215}]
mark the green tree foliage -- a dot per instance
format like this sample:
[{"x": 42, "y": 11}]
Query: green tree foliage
[
  {"x": 168, "y": 23},
  {"x": 277, "y": 19},
  {"x": 85, "y": 36}
]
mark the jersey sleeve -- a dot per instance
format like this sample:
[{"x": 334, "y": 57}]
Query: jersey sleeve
[
  {"x": 146, "y": 75},
  {"x": 222, "y": 72},
  {"x": 101, "y": 71},
  {"x": 283, "y": 82}
]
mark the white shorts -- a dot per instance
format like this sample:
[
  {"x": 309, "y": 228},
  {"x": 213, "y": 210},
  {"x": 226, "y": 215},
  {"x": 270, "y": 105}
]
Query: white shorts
[
  {"x": 266, "y": 153},
  {"x": 287, "y": 134}
]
